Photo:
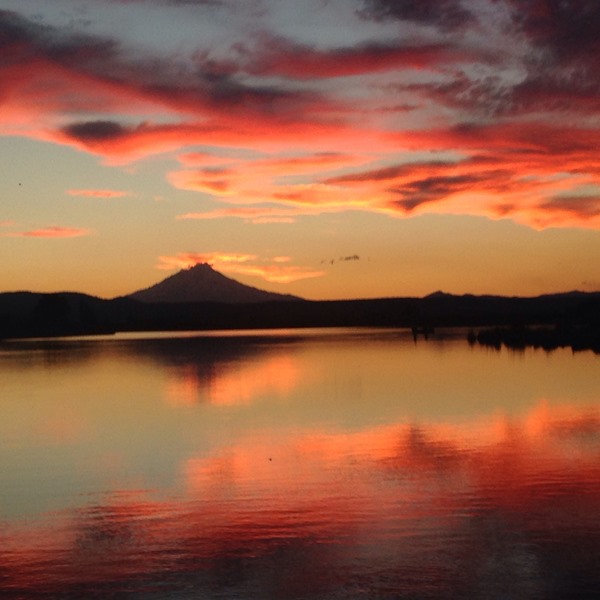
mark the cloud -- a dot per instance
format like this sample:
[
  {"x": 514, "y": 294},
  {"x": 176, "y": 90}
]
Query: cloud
[
  {"x": 52, "y": 232},
  {"x": 274, "y": 270},
  {"x": 581, "y": 207},
  {"x": 249, "y": 213},
  {"x": 95, "y": 131},
  {"x": 271, "y": 220},
  {"x": 445, "y": 14},
  {"x": 79, "y": 73},
  {"x": 46, "y": 71},
  {"x": 184, "y": 260},
  {"x": 120, "y": 143},
  {"x": 89, "y": 193},
  {"x": 275, "y": 273},
  {"x": 431, "y": 189},
  {"x": 562, "y": 72},
  {"x": 279, "y": 56},
  {"x": 508, "y": 170},
  {"x": 259, "y": 172},
  {"x": 266, "y": 189},
  {"x": 508, "y": 87},
  {"x": 567, "y": 29},
  {"x": 199, "y": 3}
]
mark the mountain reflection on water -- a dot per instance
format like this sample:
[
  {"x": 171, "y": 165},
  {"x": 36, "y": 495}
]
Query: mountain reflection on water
[{"x": 309, "y": 465}]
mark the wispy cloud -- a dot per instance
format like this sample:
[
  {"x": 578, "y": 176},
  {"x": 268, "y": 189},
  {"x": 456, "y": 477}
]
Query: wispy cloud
[
  {"x": 276, "y": 273},
  {"x": 184, "y": 260},
  {"x": 444, "y": 14},
  {"x": 51, "y": 232},
  {"x": 251, "y": 214},
  {"x": 281, "y": 57},
  {"x": 90, "y": 193},
  {"x": 273, "y": 270}
]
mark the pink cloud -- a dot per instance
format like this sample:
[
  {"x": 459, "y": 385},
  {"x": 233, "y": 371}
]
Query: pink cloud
[
  {"x": 514, "y": 125},
  {"x": 278, "y": 56},
  {"x": 274, "y": 273},
  {"x": 184, "y": 260},
  {"x": 274, "y": 270},
  {"x": 251, "y": 214},
  {"x": 91, "y": 193},
  {"x": 52, "y": 232}
]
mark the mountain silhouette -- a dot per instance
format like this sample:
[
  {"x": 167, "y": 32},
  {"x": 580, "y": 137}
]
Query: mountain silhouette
[
  {"x": 201, "y": 283},
  {"x": 549, "y": 321}
]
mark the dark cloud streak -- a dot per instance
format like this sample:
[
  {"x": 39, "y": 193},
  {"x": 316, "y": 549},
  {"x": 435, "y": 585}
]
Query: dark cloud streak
[
  {"x": 447, "y": 15},
  {"x": 93, "y": 131},
  {"x": 280, "y": 56},
  {"x": 583, "y": 207}
]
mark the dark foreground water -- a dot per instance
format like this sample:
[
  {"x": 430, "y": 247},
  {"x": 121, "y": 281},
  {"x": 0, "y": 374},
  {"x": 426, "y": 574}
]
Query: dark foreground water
[{"x": 319, "y": 464}]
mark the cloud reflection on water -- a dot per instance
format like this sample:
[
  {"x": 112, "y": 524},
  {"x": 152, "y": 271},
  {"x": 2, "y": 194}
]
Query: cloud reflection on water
[
  {"x": 295, "y": 468},
  {"x": 233, "y": 383},
  {"x": 494, "y": 508}
]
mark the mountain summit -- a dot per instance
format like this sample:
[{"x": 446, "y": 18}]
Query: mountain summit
[{"x": 201, "y": 283}]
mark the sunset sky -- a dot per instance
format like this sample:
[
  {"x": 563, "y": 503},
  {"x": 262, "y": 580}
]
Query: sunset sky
[{"x": 325, "y": 148}]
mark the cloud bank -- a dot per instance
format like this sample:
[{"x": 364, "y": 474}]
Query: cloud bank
[{"x": 487, "y": 107}]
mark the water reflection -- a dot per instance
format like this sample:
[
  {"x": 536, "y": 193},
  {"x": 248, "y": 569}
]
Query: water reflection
[
  {"x": 301, "y": 469},
  {"x": 237, "y": 383}
]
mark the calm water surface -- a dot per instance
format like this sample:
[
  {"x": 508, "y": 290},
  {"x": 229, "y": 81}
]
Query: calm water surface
[{"x": 287, "y": 465}]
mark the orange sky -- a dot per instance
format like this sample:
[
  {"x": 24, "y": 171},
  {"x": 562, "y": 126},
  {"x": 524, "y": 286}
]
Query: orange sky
[{"x": 329, "y": 148}]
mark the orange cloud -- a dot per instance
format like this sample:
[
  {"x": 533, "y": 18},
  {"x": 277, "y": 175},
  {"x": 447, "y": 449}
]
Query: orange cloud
[
  {"x": 98, "y": 193},
  {"x": 184, "y": 260},
  {"x": 251, "y": 214},
  {"x": 275, "y": 270},
  {"x": 281, "y": 57},
  {"x": 269, "y": 220},
  {"x": 52, "y": 232},
  {"x": 120, "y": 144},
  {"x": 274, "y": 273},
  {"x": 498, "y": 171},
  {"x": 259, "y": 180},
  {"x": 272, "y": 93}
]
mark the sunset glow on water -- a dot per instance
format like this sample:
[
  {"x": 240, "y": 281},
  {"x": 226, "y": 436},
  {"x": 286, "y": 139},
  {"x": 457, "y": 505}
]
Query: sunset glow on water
[
  {"x": 216, "y": 165},
  {"x": 298, "y": 466}
]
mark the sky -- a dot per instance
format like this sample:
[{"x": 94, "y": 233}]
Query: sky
[{"x": 324, "y": 148}]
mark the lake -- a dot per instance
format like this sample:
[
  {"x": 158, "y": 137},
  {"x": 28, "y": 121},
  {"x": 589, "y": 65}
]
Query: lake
[{"x": 308, "y": 464}]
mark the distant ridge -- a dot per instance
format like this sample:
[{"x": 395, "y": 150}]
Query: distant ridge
[
  {"x": 201, "y": 283},
  {"x": 549, "y": 321}
]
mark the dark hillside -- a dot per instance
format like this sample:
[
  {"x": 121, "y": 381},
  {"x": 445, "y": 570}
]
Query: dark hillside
[{"x": 33, "y": 315}]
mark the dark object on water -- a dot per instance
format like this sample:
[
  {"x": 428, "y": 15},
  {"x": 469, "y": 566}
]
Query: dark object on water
[
  {"x": 581, "y": 337},
  {"x": 424, "y": 330}
]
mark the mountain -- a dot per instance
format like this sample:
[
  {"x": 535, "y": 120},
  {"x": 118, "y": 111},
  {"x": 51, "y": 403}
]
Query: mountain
[
  {"x": 202, "y": 283},
  {"x": 33, "y": 314},
  {"x": 555, "y": 320}
]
